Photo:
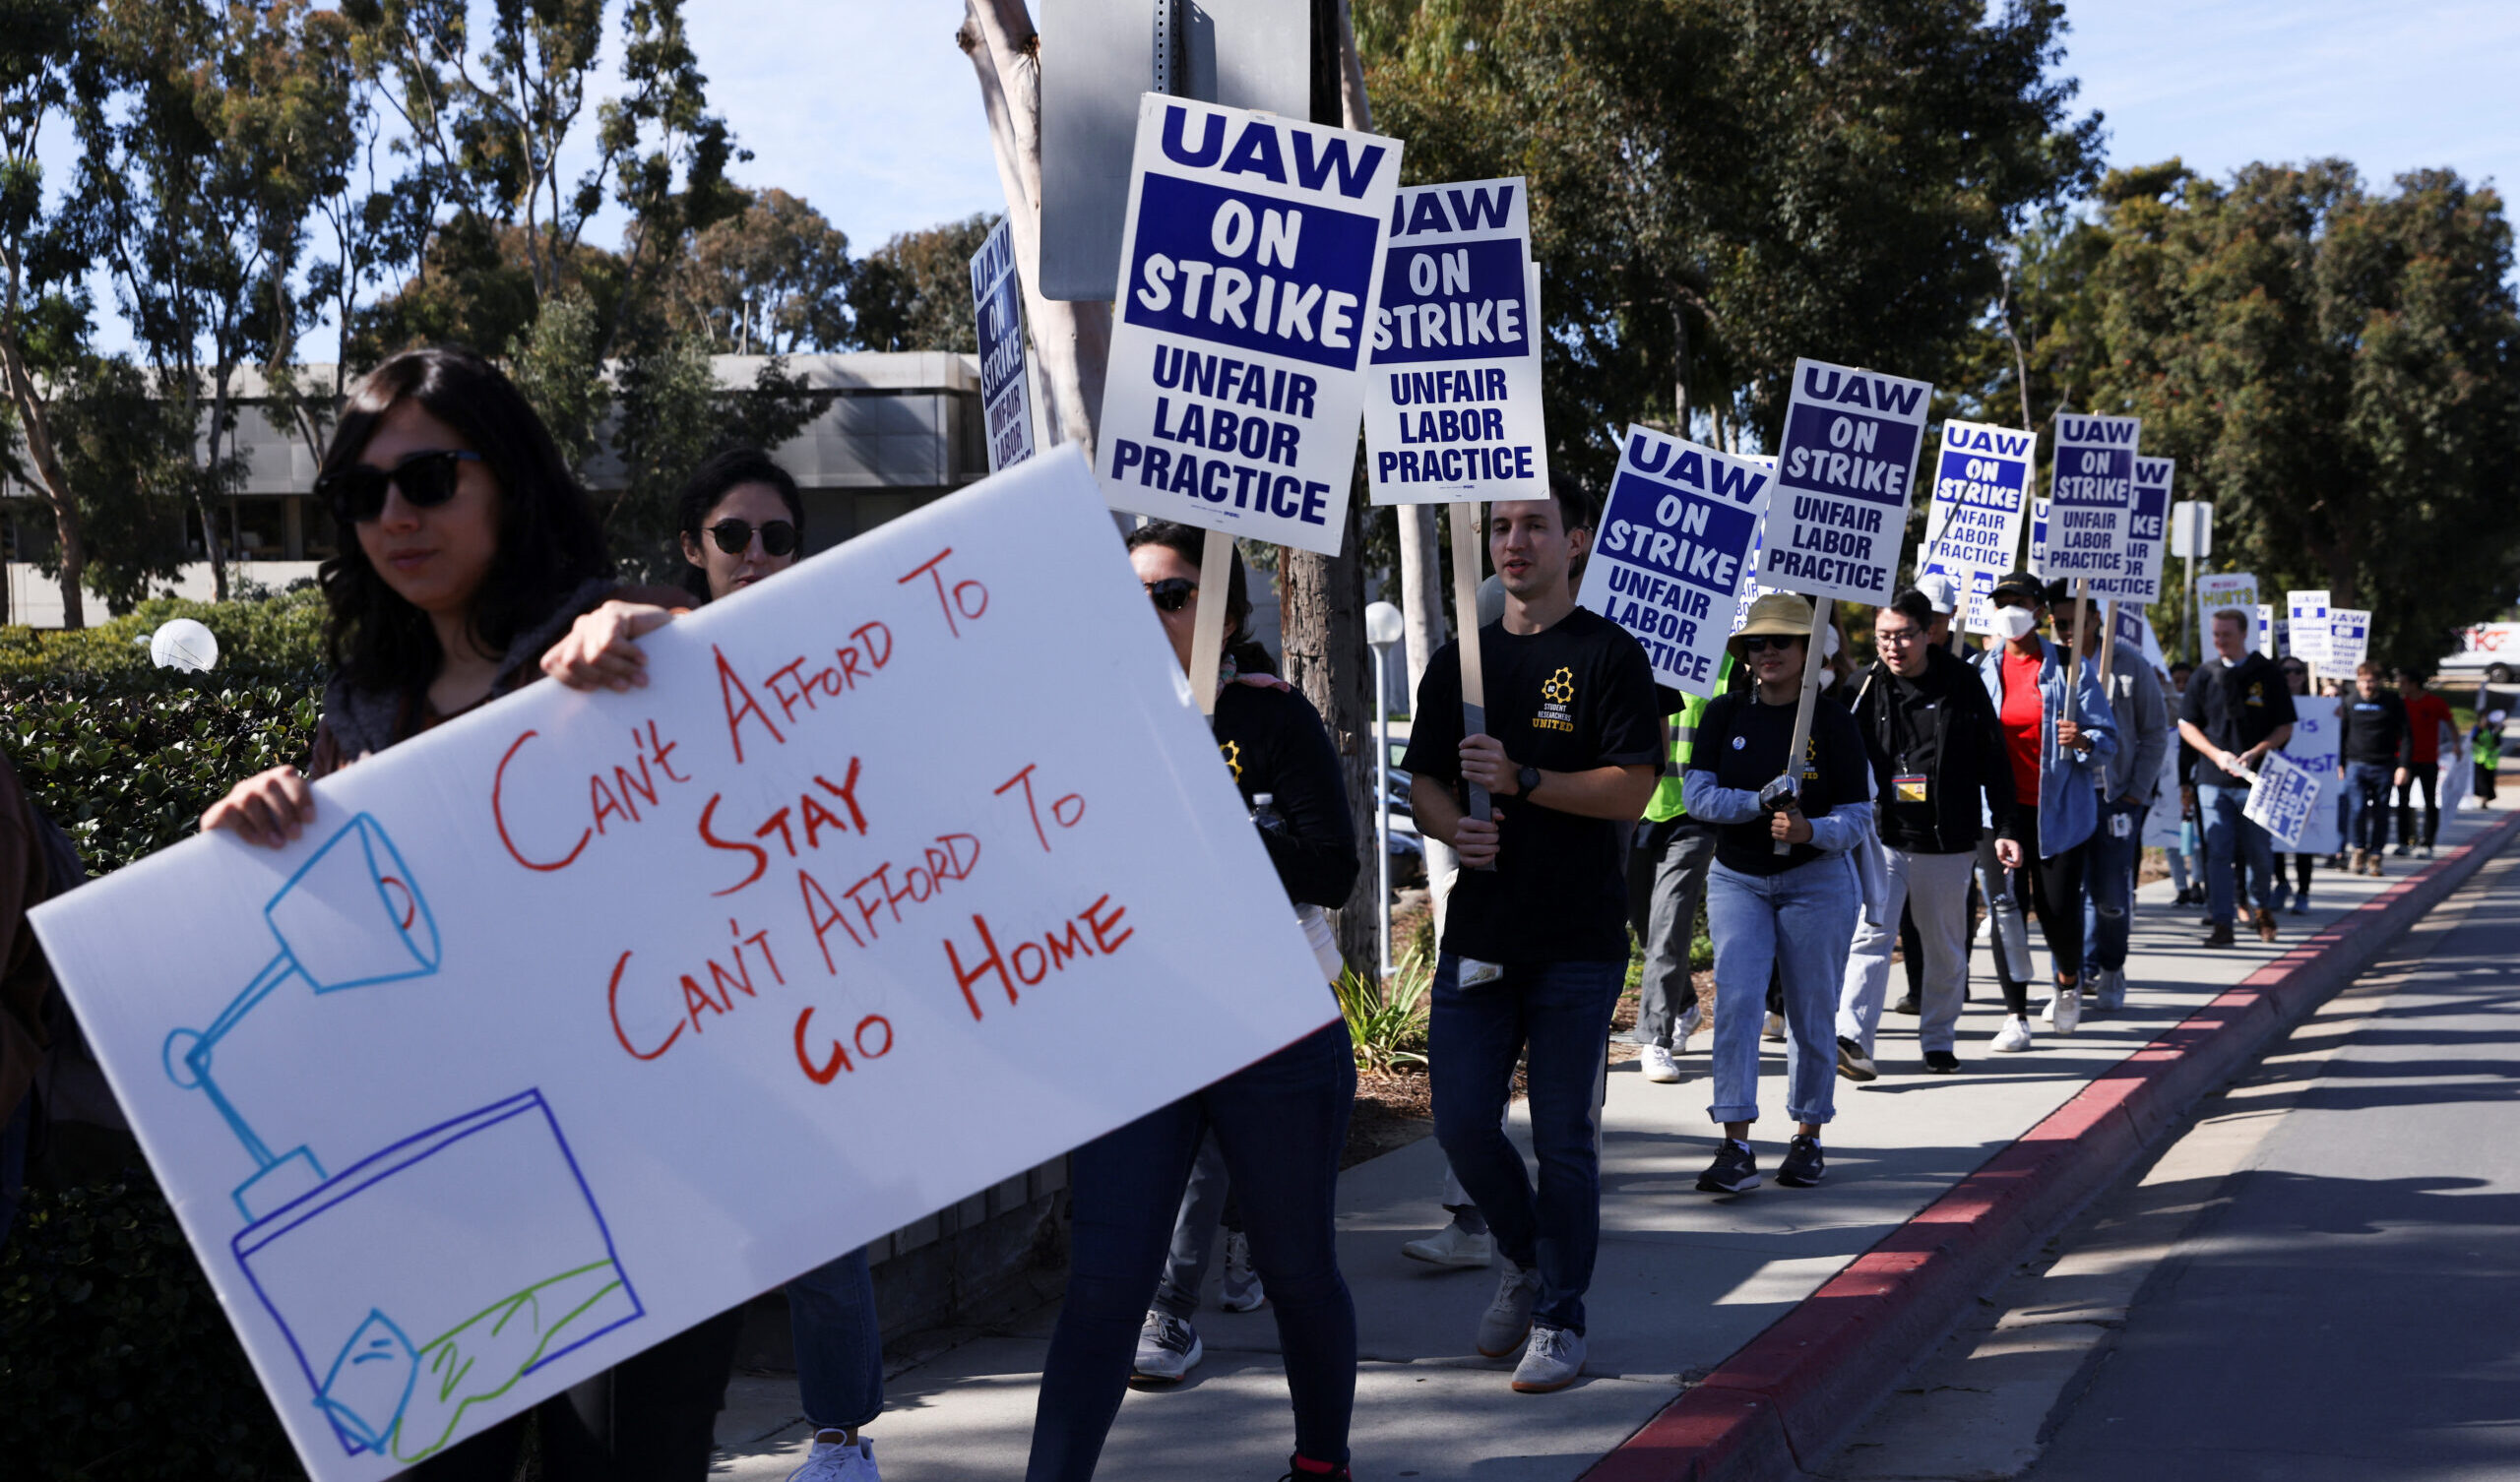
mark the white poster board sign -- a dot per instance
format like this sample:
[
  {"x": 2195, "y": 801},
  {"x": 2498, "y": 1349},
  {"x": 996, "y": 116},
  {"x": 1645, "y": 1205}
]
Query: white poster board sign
[
  {"x": 1980, "y": 500},
  {"x": 1006, "y": 385},
  {"x": 2306, "y": 624},
  {"x": 2316, "y": 746},
  {"x": 2284, "y": 801},
  {"x": 1838, "y": 514},
  {"x": 1676, "y": 535},
  {"x": 2349, "y": 639},
  {"x": 582, "y": 1018},
  {"x": 1452, "y": 404},
  {"x": 2091, "y": 496},
  {"x": 2147, "y": 537},
  {"x": 1249, "y": 271},
  {"x": 2226, "y": 589}
]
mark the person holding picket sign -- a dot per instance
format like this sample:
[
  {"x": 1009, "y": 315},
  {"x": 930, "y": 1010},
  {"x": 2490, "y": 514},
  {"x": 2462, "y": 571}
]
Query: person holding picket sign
[
  {"x": 1936, "y": 752},
  {"x": 740, "y": 519},
  {"x": 1783, "y": 898},
  {"x": 2127, "y": 783},
  {"x": 2235, "y": 710},
  {"x": 1536, "y": 941},
  {"x": 469, "y": 549},
  {"x": 2059, "y": 749}
]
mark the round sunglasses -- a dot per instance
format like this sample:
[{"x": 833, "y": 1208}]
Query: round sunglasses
[
  {"x": 356, "y": 494},
  {"x": 1172, "y": 594},
  {"x": 734, "y": 537}
]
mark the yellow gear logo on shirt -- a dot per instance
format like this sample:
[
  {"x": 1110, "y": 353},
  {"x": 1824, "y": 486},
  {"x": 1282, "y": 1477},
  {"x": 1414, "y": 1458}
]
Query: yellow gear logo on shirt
[
  {"x": 1560, "y": 687},
  {"x": 1232, "y": 751}
]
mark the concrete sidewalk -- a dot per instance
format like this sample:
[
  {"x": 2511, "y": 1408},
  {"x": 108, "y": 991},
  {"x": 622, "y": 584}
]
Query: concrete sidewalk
[{"x": 1684, "y": 1279}]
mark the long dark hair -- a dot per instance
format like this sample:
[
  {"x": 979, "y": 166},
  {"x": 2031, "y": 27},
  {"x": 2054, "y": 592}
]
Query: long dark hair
[
  {"x": 1190, "y": 543},
  {"x": 709, "y": 483},
  {"x": 550, "y": 542}
]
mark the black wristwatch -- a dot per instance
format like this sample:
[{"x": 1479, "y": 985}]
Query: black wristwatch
[{"x": 1527, "y": 780}]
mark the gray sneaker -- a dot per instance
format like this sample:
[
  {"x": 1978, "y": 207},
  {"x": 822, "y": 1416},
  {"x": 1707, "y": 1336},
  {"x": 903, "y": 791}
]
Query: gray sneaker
[
  {"x": 1508, "y": 1319},
  {"x": 1550, "y": 1360},
  {"x": 1242, "y": 1291},
  {"x": 1167, "y": 1348},
  {"x": 830, "y": 1461}
]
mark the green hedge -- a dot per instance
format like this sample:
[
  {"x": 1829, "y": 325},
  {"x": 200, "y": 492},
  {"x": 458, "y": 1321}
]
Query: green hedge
[{"x": 115, "y": 1360}]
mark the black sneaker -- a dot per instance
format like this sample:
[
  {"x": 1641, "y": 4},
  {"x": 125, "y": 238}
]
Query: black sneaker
[
  {"x": 1802, "y": 1165},
  {"x": 1941, "y": 1062},
  {"x": 1908, "y": 1005},
  {"x": 1735, "y": 1170},
  {"x": 1852, "y": 1062}
]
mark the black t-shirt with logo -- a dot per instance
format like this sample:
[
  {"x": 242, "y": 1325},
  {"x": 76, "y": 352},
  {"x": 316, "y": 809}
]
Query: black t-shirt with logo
[
  {"x": 1579, "y": 695},
  {"x": 1743, "y": 742},
  {"x": 2236, "y": 705}
]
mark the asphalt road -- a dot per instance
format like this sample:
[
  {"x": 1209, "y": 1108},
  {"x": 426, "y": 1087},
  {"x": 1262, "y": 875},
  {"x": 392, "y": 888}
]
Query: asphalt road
[{"x": 2345, "y": 1303}]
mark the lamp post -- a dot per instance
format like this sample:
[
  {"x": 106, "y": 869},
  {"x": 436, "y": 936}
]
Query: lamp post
[{"x": 1383, "y": 628}]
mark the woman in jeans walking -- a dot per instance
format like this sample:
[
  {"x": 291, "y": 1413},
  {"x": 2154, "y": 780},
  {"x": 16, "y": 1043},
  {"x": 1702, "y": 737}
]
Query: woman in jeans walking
[
  {"x": 1781, "y": 894},
  {"x": 2058, "y": 753}
]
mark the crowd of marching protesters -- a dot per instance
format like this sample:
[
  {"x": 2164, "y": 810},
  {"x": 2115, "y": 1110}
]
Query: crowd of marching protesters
[{"x": 1945, "y": 795}]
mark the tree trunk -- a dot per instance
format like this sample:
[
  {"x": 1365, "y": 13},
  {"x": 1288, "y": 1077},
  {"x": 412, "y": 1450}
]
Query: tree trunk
[
  {"x": 1072, "y": 340},
  {"x": 67, "y": 531},
  {"x": 1680, "y": 370},
  {"x": 209, "y": 479},
  {"x": 1422, "y": 607},
  {"x": 1321, "y": 614}
]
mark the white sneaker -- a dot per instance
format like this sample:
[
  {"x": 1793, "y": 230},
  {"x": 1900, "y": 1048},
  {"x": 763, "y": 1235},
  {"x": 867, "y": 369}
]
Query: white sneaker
[
  {"x": 1452, "y": 1245},
  {"x": 2014, "y": 1035},
  {"x": 1508, "y": 1318},
  {"x": 1775, "y": 1029},
  {"x": 1551, "y": 1361},
  {"x": 2066, "y": 1010},
  {"x": 1242, "y": 1291},
  {"x": 830, "y": 1461},
  {"x": 1167, "y": 1348},
  {"x": 1660, "y": 1067},
  {"x": 1690, "y": 1021},
  {"x": 2108, "y": 993}
]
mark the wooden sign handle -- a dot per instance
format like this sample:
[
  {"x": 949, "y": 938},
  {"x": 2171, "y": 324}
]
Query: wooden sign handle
[
  {"x": 1810, "y": 696},
  {"x": 1468, "y": 561},
  {"x": 1207, "y": 633},
  {"x": 2074, "y": 656}
]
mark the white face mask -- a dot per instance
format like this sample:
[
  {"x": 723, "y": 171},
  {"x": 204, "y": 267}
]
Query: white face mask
[{"x": 2015, "y": 623}]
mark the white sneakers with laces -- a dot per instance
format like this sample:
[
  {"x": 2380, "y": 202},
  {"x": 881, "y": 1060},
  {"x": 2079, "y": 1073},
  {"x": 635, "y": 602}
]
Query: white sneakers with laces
[
  {"x": 832, "y": 1461},
  {"x": 1508, "y": 1318},
  {"x": 1659, "y": 1066},
  {"x": 2065, "y": 1011},
  {"x": 2013, "y": 1038},
  {"x": 1452, "y": 1245},
  {"x": 1241, "y": 1292},
  {"x": 1167, "y": 1348},
  {"x": 1551, "y": 1360}
]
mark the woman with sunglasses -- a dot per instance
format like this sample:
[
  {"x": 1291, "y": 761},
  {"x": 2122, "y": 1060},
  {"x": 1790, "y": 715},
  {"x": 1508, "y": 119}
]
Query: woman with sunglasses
[
  {"x": 467, "y": 549},
  {"x": 1781, "y": 898},
  {"x": 740, "y": 519},
  {"x": 1280, "y": 1121}
]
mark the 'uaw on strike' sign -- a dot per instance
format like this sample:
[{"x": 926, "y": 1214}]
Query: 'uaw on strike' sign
[
  {"x": 1679, "y": 529},
  {"x": 1972, "y": 527},
  {"x": 2091, "y": 496},
  {"x": 1252, "y": 258},
  {"x": 2147, "y": 536},
  {"x": 1839, "y": 511},
  {"x": 1452, "y": 408},
  {"x": 997, "y": 316},
  {"x": 503, "y": 1073}
]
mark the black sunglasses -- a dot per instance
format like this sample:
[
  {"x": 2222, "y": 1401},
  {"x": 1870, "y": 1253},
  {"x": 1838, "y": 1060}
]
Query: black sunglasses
[
  {"x": 356, "y": 494},
  {"x": 1172, "y": 594},
  {"x": 1759, "y": 641},
  {"x": 734, "y": 537}
]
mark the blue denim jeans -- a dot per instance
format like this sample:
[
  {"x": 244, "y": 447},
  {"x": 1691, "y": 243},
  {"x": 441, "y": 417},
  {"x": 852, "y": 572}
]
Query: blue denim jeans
[
  {"x": 840, "y": 1344},
  {"x": 2366, "y": 804},
  {"x": 1800, "y": 924},
  {"x": 1281, "y": 1123},
  {"x": 2230, "y": 837},
  {"x": 2110, "y": 862},
  {"x": 1561, "y": 1014}
]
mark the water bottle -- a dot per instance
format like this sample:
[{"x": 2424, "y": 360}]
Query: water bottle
[{"x": 1264, "y": 811}]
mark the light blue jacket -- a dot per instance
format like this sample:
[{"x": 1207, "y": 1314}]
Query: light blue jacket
[{"x": 2068, "y": 805}]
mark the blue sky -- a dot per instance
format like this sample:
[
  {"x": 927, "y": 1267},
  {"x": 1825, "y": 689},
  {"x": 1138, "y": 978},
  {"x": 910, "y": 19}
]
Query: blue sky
[{"x": 866, "y": 110}]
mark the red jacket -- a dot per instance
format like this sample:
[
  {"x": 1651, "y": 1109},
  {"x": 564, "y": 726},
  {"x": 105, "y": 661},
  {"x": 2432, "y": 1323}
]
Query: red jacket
[{"x": 2425, "y": 714}]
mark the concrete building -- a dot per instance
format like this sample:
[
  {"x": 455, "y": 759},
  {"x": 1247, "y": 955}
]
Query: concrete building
[{"x": 894, "y": 432}]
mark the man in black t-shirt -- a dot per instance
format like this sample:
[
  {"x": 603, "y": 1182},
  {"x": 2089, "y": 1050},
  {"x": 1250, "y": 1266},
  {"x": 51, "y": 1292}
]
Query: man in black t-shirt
[
  {"x": 2235, "y": 710},
  {"x": 1535, "y": 945}
]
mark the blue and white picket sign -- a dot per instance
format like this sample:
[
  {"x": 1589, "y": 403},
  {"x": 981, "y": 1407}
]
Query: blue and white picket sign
[
  {"x": 1251, "y": 263},
  {"x": 1452, "y": 405},
  {"x": 2349, "y": 639},
  {"x": 1006, "y": 385},
  {"x": 1845, "y": 467},
  {"x": 1751, "y": 589},
  {"x": 1981, "y": 498},
  {"x": 2291, "y": 782},
  {"x": 2147, "y": 537},
  {"x": 1678, "y": 533},
  {"x": 2091, "y": 496},
  {"x": 2305, "y": 627},
  {"x": 2039, "y": 537}
]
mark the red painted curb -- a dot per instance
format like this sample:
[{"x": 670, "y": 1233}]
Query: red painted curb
[{"x": 1781, "y": 1403}]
